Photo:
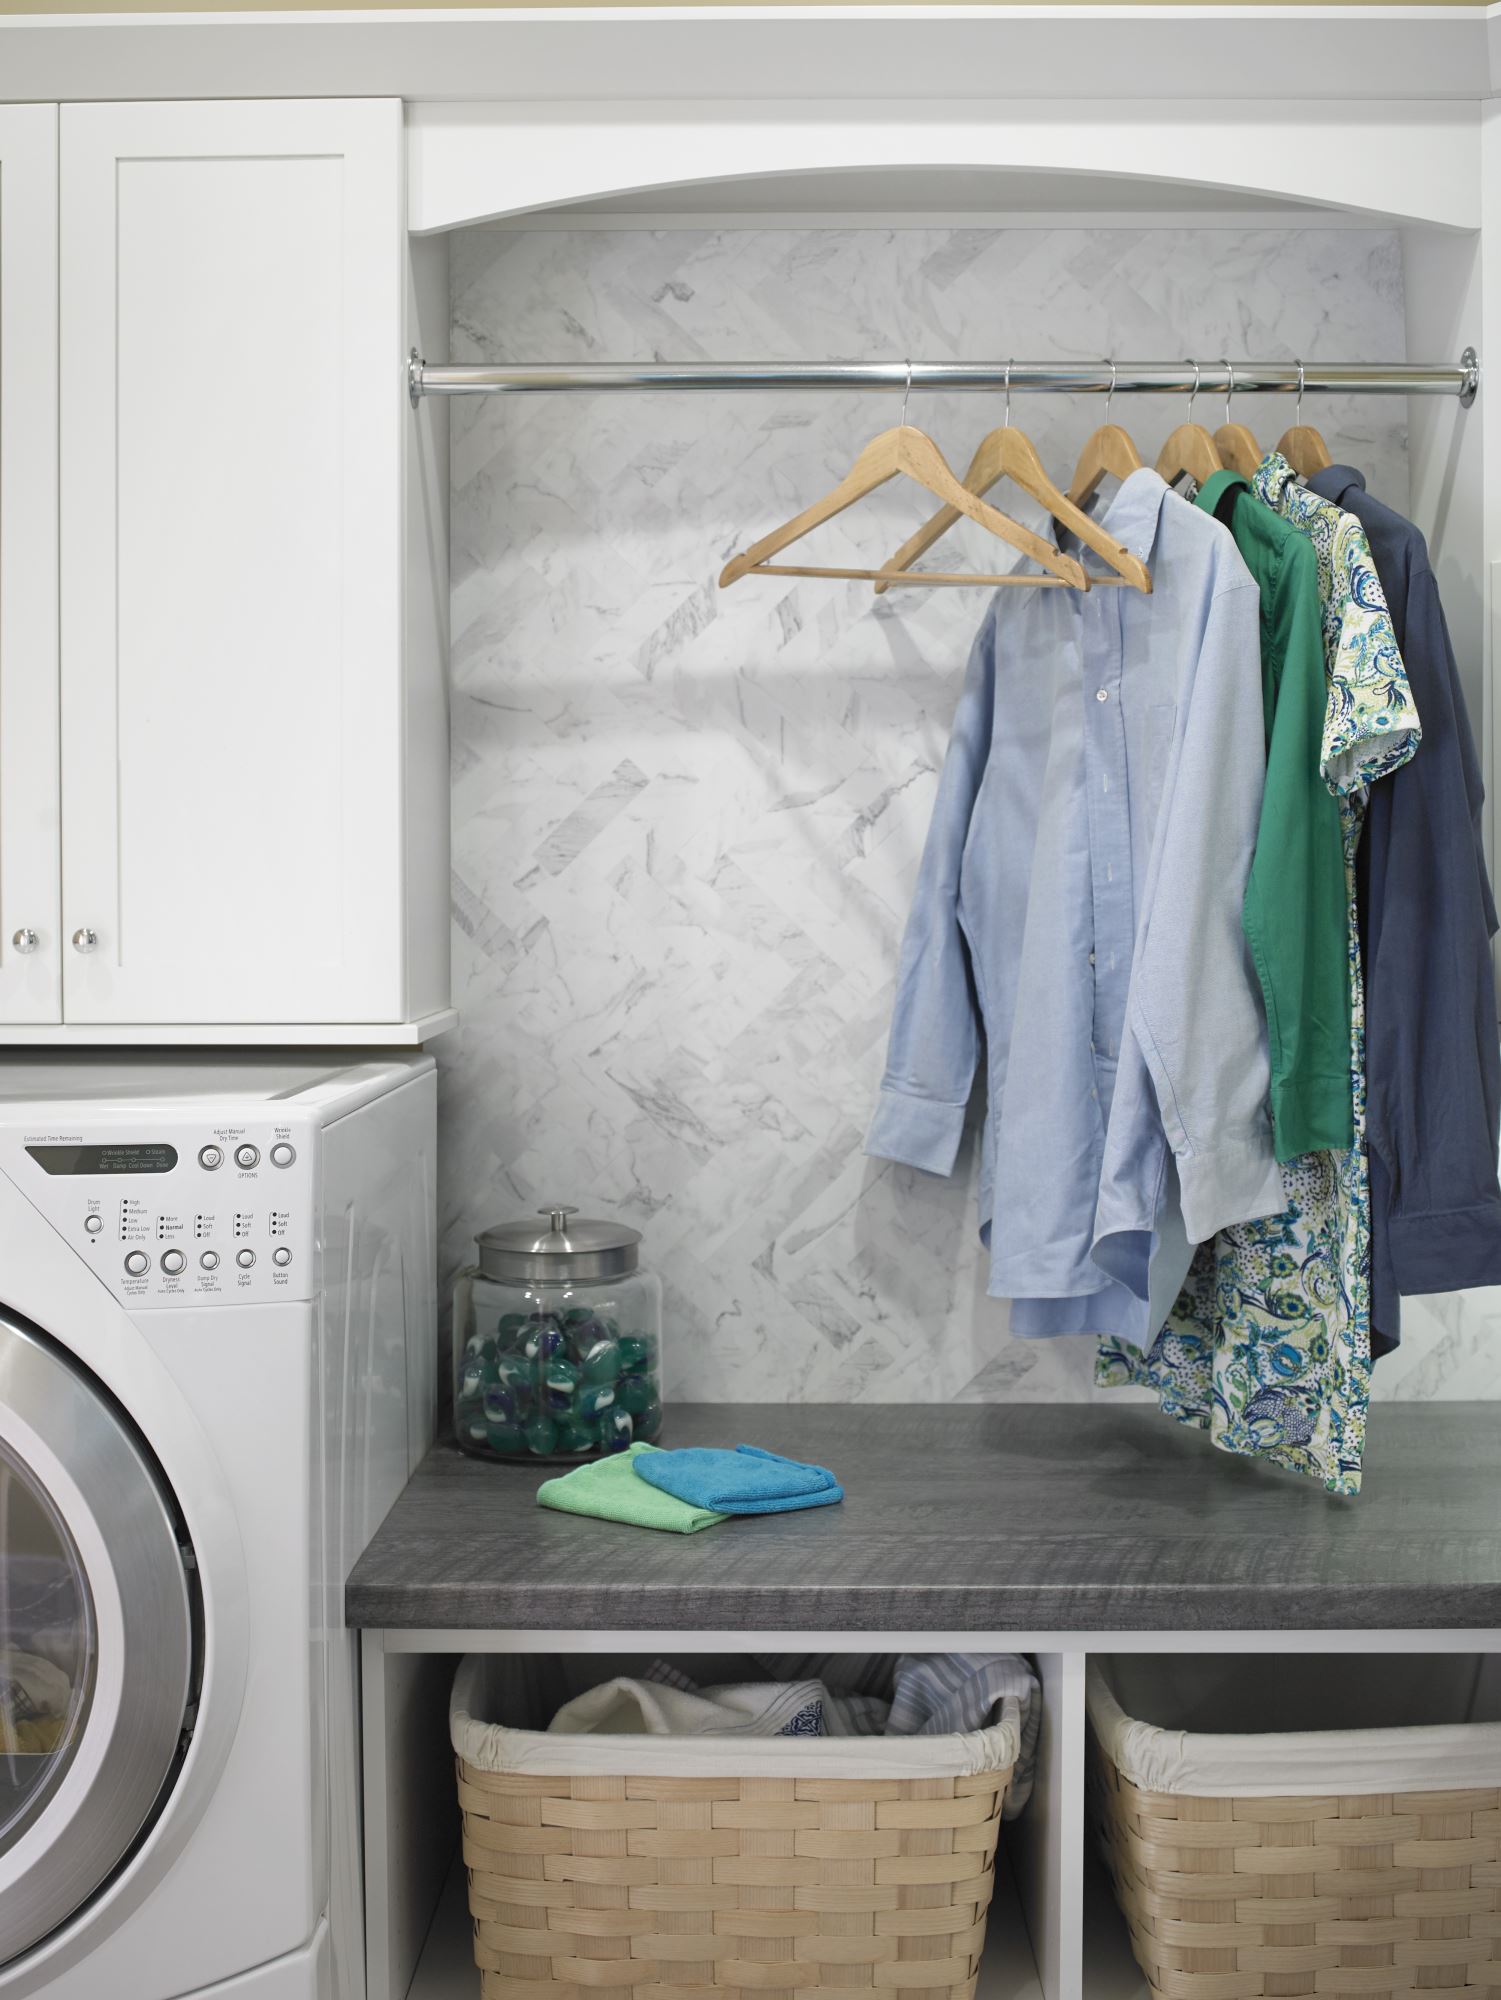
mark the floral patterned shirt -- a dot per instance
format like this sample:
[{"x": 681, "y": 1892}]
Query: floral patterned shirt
[{"x": 1371, "y": 726}]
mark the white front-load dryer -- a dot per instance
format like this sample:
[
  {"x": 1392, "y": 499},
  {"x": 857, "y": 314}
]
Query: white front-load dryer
[{"x": 217, "y": 1311}]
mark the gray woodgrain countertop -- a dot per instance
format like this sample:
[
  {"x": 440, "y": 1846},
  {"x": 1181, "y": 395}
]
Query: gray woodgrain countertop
[{"x": 973, "y": 1518}]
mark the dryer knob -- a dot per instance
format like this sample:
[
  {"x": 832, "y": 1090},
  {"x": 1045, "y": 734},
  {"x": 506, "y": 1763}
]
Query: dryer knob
[
  {"x": 25, "y": 940},
  {"x": 85, "y": 940}
]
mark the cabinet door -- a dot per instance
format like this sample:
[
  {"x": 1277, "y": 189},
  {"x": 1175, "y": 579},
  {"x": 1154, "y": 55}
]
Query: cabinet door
[
  {"x": 30, "y": 840},
  {"x": 232, "y": 402}
]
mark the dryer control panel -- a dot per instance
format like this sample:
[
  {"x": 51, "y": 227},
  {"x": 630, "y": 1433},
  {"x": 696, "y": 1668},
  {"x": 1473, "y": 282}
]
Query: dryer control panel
[{"x": 203, "y": 1213}]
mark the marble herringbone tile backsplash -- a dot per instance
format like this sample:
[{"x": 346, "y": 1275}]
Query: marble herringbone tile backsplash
[{"x": 686, "y": 822}]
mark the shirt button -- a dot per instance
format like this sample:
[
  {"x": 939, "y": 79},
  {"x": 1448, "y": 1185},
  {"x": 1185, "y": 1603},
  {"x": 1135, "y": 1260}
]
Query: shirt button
[{"x": 1102, "y": 694}]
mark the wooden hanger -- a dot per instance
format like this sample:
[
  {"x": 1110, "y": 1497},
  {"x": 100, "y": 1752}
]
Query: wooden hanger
[
  {"x": 1239, "y": 450},
  {"x": 1301, "y": 445},
  {"x": 1190, "y": 449},
  {"x": 913, "y": 452},
  {"x": 1108, "y": 452},
  {"x": 1008, "y": 453},
  {"x": 1233, "y": 441},
  {"x": 1305, "y": 450}
]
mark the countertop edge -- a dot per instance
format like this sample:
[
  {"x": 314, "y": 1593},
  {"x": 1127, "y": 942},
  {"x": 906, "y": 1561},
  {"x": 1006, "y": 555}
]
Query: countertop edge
[{"x": 1185, "y": 1609}]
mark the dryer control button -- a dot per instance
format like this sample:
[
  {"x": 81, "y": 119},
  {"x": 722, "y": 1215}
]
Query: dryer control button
[
  {"x": 210, "y": 1157},
  {"x": 93, "y": 1224},
  {"x": 281, "y": 1256},
  {"x": 247, "y": 1156},
  {"x": 137, "y": 1262},
  {"x": 209, "y": 1259},
  {"x": 173, "y": 1261},
  {"x": 282, "y": 1155},
  {"x": 244, "y": 1258}
]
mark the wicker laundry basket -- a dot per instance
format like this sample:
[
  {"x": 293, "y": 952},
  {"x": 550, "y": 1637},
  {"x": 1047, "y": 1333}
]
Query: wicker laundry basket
[
  {"x": 1358, "y": 1877},
  {"x": 781, "y": 1866}
]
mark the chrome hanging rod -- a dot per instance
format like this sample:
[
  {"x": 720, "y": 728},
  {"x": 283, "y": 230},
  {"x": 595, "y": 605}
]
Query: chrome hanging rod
[{"x": 1057, "y": 378}]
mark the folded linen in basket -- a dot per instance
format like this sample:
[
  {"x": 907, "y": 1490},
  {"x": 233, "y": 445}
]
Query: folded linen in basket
[
  {"x": 953, "y": 1695},
  {"x": 609, "y": 1490},
  {"x": 825, "y": 1713},
  {"x": 746, "y": 1480},
  {"x": 627, "y": 1707},
  {"x": 488, "y": 1684},
  {"x": 925, "y": 1694}
]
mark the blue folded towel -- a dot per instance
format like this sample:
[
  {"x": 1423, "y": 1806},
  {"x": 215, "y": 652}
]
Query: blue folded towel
[{"x": 743, "y": 1481}]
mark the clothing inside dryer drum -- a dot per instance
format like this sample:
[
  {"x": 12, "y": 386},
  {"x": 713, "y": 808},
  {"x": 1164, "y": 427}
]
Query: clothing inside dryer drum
[{"x": 47, "y": 1650}]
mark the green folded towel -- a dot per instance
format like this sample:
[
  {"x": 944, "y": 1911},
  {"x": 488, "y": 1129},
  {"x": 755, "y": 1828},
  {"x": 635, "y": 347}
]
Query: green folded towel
[{"x": 609, "y": 1489}]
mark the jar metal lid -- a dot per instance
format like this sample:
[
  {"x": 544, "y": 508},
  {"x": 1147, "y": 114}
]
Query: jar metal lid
[{"x": 566, "y": 1249}]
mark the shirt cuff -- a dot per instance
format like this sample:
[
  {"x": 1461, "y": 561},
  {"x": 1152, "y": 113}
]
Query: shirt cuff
[
  {"x": 1447, "y": 1250},
  {"x": 1239, "y": 1181},
  {"x": 917, "y": 1131},
  {"x": 1313, "y": 1114}
]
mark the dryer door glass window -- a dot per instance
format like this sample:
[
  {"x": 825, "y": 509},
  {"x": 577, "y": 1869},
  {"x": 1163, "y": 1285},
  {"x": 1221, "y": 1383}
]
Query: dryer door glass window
[
  {"x": 47, "y": 1653},
  {"x": 99, "y": 1643}
]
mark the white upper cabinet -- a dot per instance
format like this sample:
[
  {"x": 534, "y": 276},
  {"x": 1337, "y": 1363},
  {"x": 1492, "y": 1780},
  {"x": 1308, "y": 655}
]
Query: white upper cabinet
[
  {"x": 236, "y": 795},
  {"x": 30, "y": 840}
]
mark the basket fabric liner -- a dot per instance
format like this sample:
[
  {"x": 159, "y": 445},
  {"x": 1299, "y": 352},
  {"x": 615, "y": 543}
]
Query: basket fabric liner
[
  {"x": 493, "y": 1746},
  {"x": 1438, "y": 1757}
]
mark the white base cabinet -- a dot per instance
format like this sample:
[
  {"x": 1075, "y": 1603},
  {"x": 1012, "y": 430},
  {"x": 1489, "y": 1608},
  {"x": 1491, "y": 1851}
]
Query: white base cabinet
[
  {"x": 250, "y": 774},
  {"x": 1055, "y": 1931}
]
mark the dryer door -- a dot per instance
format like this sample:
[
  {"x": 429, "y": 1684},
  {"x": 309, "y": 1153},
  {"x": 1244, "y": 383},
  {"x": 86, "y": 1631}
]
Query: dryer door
[{"x": 97, "y": 1638}]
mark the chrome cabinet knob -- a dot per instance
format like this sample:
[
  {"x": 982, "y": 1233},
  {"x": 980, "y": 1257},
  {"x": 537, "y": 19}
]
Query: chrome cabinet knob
[
  {"x": 25, "y": 940},
  {"x": 85, "y": 940}
]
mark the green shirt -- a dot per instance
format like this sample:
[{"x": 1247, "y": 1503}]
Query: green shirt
[{"x": 1295, "y": 913}]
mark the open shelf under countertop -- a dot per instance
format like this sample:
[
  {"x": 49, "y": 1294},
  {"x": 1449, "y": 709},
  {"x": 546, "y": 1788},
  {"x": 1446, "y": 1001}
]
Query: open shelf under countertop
[{"x": 971, "y": 1518}]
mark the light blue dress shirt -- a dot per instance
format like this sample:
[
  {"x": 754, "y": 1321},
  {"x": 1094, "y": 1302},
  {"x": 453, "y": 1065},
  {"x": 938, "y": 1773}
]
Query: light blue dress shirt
[{"x": 1078, "y": 914}]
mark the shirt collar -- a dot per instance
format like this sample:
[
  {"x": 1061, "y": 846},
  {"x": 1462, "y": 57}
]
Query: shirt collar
[
  {"x": 1133, "y": 513},
  {"x": 1335, "y": 481},
  {"x": 1211, "y": 494},
  {"x": 1273, "y": 477}
]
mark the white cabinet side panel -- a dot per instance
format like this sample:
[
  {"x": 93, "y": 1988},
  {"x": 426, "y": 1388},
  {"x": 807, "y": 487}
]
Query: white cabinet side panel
[
  {"x": 232, "y": 760},
  {"x": 378, "y": 1347},
  {"x": 1037, "y": 1841},
  {"x": 1443, "y": 280},
  {"x": 425, "y": 619},
  {"x": 30, "y": 833}
]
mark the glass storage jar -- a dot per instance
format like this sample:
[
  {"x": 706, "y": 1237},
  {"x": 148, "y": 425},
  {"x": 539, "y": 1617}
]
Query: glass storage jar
[{"x": 557, "y": 1341}]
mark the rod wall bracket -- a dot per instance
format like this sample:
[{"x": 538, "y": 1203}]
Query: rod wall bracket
[{"x": 1470, "y": 362}]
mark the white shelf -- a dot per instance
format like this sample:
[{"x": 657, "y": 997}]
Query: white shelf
[
  {"x": 218, "y": 1034},
  {"x": 1007, "y": 1972}
]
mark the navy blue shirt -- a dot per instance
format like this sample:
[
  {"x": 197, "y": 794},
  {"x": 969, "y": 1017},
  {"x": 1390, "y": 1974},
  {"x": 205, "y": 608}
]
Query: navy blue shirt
[{"x": 1433, "y": 1060}]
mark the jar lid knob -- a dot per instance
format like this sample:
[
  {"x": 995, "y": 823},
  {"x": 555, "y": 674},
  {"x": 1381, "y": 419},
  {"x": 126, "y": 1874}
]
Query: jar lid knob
[{"x": 557, "y": 1217}]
